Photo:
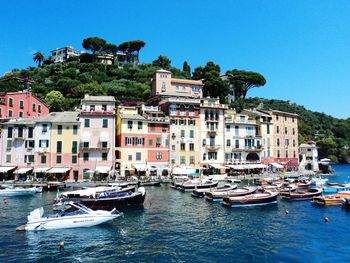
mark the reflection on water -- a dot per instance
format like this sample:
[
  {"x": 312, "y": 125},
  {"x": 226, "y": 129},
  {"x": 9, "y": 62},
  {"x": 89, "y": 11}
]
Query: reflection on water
[{"x": 174, "y": 227}]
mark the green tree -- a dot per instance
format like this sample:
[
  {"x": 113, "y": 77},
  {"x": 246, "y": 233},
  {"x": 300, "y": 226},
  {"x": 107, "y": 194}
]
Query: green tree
[
  {"x": 214, "y": 86},
  {"x": 110, "y": 49},
  {"x": 92, "y": 88},
  {"x": 93, "y": 44},
  {"x": 242, "y": 81},
  {"x": 54, "y": 100},
  {"x": 162, "y": 62},
  {"x": 38, "y": 58},
  {"x": 186, "y": 69}
]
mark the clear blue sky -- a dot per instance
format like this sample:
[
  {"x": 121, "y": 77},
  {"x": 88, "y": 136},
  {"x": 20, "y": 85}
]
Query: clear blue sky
[{"x": 301, "y": 47}]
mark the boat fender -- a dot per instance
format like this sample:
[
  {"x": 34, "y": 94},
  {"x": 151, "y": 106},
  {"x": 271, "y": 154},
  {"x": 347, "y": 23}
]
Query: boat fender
[{"x": 326, "y": 219}]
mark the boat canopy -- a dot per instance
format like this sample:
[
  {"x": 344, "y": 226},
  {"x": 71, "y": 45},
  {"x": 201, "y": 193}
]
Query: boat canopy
[
  {"x": 5, "y": 169},
  {"x": 184, "y": 171},
  {"x": 277, "y": 165},
  {"x": 140, "y": 166},
  {"x": 41, "y": 169},
  {"x": 23, "y": 170},
  {"x": 59, "y": 170},
  {"x": 217, "y": 166},
  {"x": 103, "y": 169},
  {"x": 247, "y": 166}
]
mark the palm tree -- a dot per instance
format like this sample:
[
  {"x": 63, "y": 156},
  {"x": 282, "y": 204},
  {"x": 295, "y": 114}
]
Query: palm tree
[{"x": 38, "y": 57}]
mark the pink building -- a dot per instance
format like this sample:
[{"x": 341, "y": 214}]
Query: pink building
[{"x": 21, "y": 105}]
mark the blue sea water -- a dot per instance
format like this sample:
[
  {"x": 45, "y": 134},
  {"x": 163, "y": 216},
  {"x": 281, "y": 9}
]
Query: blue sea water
[{"x": 174, "y": 227}]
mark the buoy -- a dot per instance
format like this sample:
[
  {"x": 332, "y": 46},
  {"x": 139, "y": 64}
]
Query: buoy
[
  {"x": 5, "y": 200},
  {"x": 287, "y": 212},
  {"x": 61, "y": 244},
  {"x": 326, "y": 219}
]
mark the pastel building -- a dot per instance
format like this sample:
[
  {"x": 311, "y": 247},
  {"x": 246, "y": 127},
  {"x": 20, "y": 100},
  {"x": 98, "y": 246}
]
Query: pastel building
[
  {"x": 97, "y": 144},
  {"x": 18, "y": 138},
  {"x": 308, "y": 153},
  {"x": 21, "y": 105},
  {"x": 163, "y": 85},
  {"x": 63, "y": 54},
  {"x": 243, "y": 142},
  {"x": 212, "y": 137}
]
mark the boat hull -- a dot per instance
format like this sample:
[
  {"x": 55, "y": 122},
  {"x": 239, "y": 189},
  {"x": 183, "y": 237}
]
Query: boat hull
[
  {"x": 252, "y": 200},
  {"x": 191, "y": 187},
  {"x": 219, "y": 196},
  {"x": 18, "y": 192},
  {"x": 297, "y": 196}
]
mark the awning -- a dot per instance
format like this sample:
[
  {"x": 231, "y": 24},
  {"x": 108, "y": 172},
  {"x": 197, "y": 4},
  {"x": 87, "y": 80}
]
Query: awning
[
  {"x": 85, "y": 137},
  {"x": 5, "y": 169},
  {"x": 103, "y": 169},
  {"x": 104, "y": 137},
  {"x": 58, "y": 170},
  {"x": 41, "y": 169},
  {"x": 140, "y": 166},
  {"x": 217, "y": 166},
  {"x": 247, "y": 166},
  {"x": 184, "y": 171},
  {"x": 23, "y": 170},
  {"x": 277, "y": 165}
]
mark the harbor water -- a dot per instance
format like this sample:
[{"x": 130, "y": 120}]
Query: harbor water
[{"x": 172, "y": 226}]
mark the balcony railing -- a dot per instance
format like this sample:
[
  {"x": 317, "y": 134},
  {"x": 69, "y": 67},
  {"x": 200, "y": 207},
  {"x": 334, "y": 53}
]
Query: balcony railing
[
  {"x": 239, "y": 121},
  {"x": 96, "y": 112},
  {"x": 95, "y": 147},
  {"x": 212, "y": 147}
]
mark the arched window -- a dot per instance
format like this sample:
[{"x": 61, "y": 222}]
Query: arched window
[
  {"x": 182, "y": 107},
  {"x": 191, "y": 108}
]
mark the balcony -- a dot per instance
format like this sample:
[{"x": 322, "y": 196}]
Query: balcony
[
  {"x": 212, "y": 132},
  {"x": 173, "y": 113},
  {"x": 96, "y": 112},
  {"x": 191, "y": 114},
  {"x": 240, "y": 121},
  {"x": 182, "y": 113},
  {"x": 95, "y": 147},
  {"x": 159, "y": 119},
  {"x": 212, "y": 148}
]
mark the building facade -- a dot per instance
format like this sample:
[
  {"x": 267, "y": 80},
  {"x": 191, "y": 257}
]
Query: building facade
[{"x": 63, "y": 54}]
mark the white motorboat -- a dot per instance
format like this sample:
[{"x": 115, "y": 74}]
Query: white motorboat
[
  {"x": 77, "y": 215},
  {"x": 18, "y": 191},
  {"x": 319, "y": 181}
]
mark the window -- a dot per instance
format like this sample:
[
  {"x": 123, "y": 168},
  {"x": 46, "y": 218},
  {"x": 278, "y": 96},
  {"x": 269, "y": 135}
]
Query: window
[
  {"x": 294, "y": 151},
  {"x": 43, "y": 159},
  {"x": 74, "y": 147},
  {"x": 104, "y": 156},
  {"x": 10, "y": 102},
  {"x": 153, "y": 127},
  {"x": 85, "y": 144},
  {"x": 212, "y": 155},
  {"x": 74, "y": 159},
  {"x": 59, "y": 146},
  {"x": 285, "y": 130},
  {"x": 44, "y": 128},
  {"x": 191, "y": 146},
  {"x": 177, "y": 87},
  {"x": 9, "y": 132},
  {"x": 191, "y": 122},
  {"x": 128, "y": 141},
  {"x": 278, "y": 154},
  {"x": 59, "y": 129},
  {"x": 139, "y": 125},
  {"x": 228, "y": 128},
  {"x": 104, "y": 107},
  {"x": 182, "y": 146},
  {"x": 20, "y": 132},
  {"x": 268, "y": 128},
  {"x": 159, "y": 156},
  {"x": 277, "y": 129},
  {"x": 10, "y": 113},
  {"x": 183, "y": 133},
  {"x": 21, "y": 104},
  {"x": 163, "y": 86},
  {"x": 20, "y": 114},
  {"x": 59, "y": 159},
  {"x": 286, "y": 153},
  {"x": 105, "y": 123},
  {"x": 293, "y": 131},
  {"x": 104, "y": 144},
  {"x": 191, "y": 159},
  {"x": 182, "y": 160},
  {"x": 138, "y": 156},
  {"x": 34, "y": 107},
  {"x": 30, "y": 132},
  {"x": 293, "y": 143},
  {"x": 43, "y": 143},
  {"x": 228, "y": 143},
  {"x": 164, "y": 130},
  {"x": 278, "y": 142},
  {"x": 75, "y": 129},
  {"x": 29, "y": 144},
  {"x": 87, "y": 123},
  {"x": 173, "y": 147},
  {"x": 285, "y": 118},
  {"x": 237, "y": 144},
  {"x": 9, "y": 145},
  {"x": 293, "y": 119},
  {"x": 150, "y": 142},
  {"x": 183, "y": 88},
  {"x": 212, "y": 141},
  {"x": 286, "y": 142},
  {"x": 204, "y": 142},
  {"x": 191, "y": 133},
  {"x": 204, "y": 156},
  {"x": 166, "y": 142},
  {"x": 29, "y": 158},
  {"x": 86, "y": 156},
  {"x": 130, "y": 125},
  {"x": 129, "y": 157},
  {"x": 158, "y": 141},
  {"x": 39, "y": 108},
  {"x": 236, "y": 130},
  {"x": 276, "y": 117},
  {"x": 8, "y": 158}
]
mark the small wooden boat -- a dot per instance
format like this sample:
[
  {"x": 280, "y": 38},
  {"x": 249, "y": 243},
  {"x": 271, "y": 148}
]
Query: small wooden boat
[
  {"x": 8, "y": 191},
  {"x": 53, "y": 186},
  {"x": 150, "y": 183},
  {"x": 301, "y": 194},
  {"x": 336, "y": 199},
  {"x": 258, "y": 199},
  {"x": 217, "y": 196},
  {"x": 303, "y": 184},
  {"x": 197, "y": 184},
  {"x": 201, "y": 192}
]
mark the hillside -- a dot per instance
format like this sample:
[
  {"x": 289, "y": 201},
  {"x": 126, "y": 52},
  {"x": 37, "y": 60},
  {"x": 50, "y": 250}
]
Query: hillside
[{"x": 132, "y": 82}]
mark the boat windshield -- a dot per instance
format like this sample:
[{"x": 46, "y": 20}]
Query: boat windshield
[{"x": 72, "y": 212}]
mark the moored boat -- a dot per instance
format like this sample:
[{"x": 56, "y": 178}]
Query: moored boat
[
  {"x": 217, "y": 196},
  {"x": 201, "y": 192},
  {"x": 77, "y": 215},
  {"x": 150, "y": 183},
  {"x": 19, "y": 191},
  {"x": 302, "y": 194},
  {"x": 258, "y": 199},
  {"x": 335, "y": 188},
  {"x": 196, "y": 184},
  {"x": 319, "y": 181},
  {"x": 336, "y": 199}
]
